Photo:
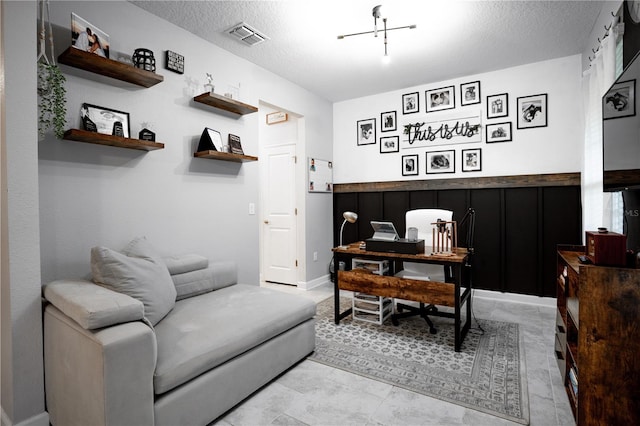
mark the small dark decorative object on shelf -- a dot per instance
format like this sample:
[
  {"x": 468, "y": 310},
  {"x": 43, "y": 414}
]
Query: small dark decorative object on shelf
[
  {"x": 175, "y": 62},
  {"x": 118, "y": 129},
  {"x": 147, "y": 135},
  {"x": 235, "y": 145},
  {"x": 143, "y": 58}
]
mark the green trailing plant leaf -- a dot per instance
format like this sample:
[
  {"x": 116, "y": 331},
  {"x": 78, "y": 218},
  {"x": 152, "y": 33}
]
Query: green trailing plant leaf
[{"x": 52, "y": 101}]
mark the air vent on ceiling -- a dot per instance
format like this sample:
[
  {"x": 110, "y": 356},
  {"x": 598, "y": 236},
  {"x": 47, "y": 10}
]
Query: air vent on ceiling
[{"x": 246, "y": 34}]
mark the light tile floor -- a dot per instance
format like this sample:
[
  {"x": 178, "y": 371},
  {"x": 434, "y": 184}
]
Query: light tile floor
[{"x": 315, "y": 394}]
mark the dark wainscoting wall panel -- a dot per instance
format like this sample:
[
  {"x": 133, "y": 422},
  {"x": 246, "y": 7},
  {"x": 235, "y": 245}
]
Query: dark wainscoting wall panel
[{"x": 519, "y": 221}]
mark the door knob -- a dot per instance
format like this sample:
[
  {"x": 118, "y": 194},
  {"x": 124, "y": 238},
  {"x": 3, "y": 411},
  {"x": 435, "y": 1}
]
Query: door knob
[{"x": 266, "y": 222}]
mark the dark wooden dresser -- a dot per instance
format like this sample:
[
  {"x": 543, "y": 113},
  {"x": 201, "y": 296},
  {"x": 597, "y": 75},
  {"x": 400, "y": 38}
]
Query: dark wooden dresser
[{"x": 598, "y": 339}]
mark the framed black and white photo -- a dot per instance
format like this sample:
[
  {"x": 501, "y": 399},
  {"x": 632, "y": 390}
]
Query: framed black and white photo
[
  {"x": 498, "y": 105},
  {"x": 88, "y": 38},
  {"x": 411, "y": 103},
  {"x": 410, "y": 165},
  {"x": 498, "y": 132},
  {"x": 470, "y": 93},
  {"x": 104, "y": 120},
  {"x": 441, "y": 162},
  {"x": 440, "y": 99},
  {"x": 388, "y": 121},
  {"x": 366, "y": 131},
  {"x": 532, "y": 111},
  {"x": 620, "y": 100},
  {"x": 472, "y": 160},
  {"x": 389, "y": 144}
]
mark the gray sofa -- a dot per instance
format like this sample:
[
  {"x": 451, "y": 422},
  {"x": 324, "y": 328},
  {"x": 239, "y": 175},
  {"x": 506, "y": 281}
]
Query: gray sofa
[{"x": 108, "y": 361}]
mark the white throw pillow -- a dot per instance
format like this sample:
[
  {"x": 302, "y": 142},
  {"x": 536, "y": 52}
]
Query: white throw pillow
[{"x": 138, "y": 272}]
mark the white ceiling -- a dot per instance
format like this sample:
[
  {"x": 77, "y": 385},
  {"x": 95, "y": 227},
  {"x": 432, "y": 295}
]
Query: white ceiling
[{"x": 453, "y": 38}]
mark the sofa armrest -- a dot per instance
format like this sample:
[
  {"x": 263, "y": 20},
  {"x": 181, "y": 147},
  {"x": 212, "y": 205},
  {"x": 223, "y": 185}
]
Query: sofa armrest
[
  {"x": 91, "y": 305},
  {"x": 98, "y": 377},
  {"x": 218, "y": 275}
]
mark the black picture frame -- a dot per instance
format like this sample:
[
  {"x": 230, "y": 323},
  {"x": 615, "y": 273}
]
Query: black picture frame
[
  {"x": 438, "y": 162},
  {"x": 472, "y": 160},
  {"x": 410, "y": 165},
  {"x": 411, "y": 103},
  {"x": 470, "y": 93},
  {"x": 532, "y": 111},
  {"x": 366, "y": 131},
  {"x": 498, "y": 105},
  {"x": 103, "y": 120},
  {"x": 388, "y": 121},
  {"x": 440, "y": 99},
  {"x": 389, "y": 144},
  {"x": 498, "y": 132},
  {"x": 620, "y": 100}
]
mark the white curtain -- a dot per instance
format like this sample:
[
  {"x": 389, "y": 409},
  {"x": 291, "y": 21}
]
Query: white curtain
[{"x": 596, "y": 205}]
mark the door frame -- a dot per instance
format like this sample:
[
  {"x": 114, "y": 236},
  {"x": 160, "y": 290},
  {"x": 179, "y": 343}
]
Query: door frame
[{"x": 299, "y": 186}]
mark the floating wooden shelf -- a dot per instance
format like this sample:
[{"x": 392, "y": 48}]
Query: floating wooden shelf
[
  {"x": 225, "y": 104},
  {"x": 224, "y": 156},
  {"x": 118, "y": 141},
  {"x": 108, "y": 67}
]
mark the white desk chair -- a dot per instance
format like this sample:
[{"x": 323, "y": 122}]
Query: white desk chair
[{"x": 422, "y": 220}]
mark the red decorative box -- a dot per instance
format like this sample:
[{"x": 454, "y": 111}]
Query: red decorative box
[{"x": 606, "y": 248}]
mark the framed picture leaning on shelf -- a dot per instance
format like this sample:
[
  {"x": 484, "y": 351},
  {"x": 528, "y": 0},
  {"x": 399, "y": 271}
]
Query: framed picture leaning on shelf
[
  {"x": 235, "y": 147},
  {"x": 104, "y": 120}
]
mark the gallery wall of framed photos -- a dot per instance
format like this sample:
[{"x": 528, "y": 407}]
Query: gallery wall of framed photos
[{"x": 507, "y": 122}]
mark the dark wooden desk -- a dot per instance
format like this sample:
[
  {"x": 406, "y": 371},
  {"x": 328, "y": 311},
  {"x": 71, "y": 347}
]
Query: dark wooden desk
[{"x": 449, "y": 293}]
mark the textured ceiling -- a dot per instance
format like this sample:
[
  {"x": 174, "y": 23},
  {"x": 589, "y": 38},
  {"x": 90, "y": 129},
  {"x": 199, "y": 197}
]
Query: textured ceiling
[{"x": 452, "y": 38}]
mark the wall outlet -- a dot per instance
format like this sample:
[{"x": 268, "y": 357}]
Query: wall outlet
[{"x": 315, "y": 256}]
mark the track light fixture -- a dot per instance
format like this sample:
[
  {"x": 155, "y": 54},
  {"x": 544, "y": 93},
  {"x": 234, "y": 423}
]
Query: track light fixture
[{"x": 377, "y": 14}]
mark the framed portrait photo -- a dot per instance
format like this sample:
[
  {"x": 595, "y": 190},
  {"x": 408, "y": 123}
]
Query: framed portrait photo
[
  {"x": 498, "y": 105},
  {"x": 411, "y": 103},
  {"x": 441, "y": 162},
  {"x": 498, "y": 132},
  {"x": 410, "y": 165},
  {"x": 620, "y": 100},
  {"x": 440, "y": 99},
  {"x": 104, "y": 120},
  {"x": 388, "y": 121},
  {"x": 470, "y": 93},
  {"x": 366, "y": 131},
  {"x": 532, "y": 111},
  {"x": 389, "y": 144},
  {"x": 87, "y": 37},
  {"x": 472, "y": 160}
]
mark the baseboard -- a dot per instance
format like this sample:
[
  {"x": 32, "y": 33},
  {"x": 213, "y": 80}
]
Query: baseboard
[
  {"x": 516, "y": 298},
  {"x": 308, "y": 285},
  {"x": 41, "y": 419}
]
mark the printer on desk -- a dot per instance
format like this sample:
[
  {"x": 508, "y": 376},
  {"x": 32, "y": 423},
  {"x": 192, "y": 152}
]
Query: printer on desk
[{"x": 385, "y": 239}]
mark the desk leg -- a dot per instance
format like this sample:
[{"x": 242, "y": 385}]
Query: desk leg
[
  {"x": 457, "y": 339},
  {"x": 337, "y": 315}
]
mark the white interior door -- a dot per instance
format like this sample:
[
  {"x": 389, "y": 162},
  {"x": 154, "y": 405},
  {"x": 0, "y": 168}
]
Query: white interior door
[{"x": 279, "y": 216}]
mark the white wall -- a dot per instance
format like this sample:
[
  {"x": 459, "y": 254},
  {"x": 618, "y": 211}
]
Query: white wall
[
  {"x": 22, "y": 371},
  {"x": 552, "y": 149},
  {"x": 94, "y": 195}
]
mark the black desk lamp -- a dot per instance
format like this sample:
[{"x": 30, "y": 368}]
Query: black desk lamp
[{"x": 350, "y": 217}]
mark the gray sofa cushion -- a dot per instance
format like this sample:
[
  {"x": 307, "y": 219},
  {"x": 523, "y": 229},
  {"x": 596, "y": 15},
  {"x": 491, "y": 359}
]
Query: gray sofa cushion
[
  {"x": 185, "y": 263},
  {"x": 92, "y": 306},
  {"x": 203, "y": 332},
  {"x": 138, "y": 272},
  {"x": 217, "y": 276}
]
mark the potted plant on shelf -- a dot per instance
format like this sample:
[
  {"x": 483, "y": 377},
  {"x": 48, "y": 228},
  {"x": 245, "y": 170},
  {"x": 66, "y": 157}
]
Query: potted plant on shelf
[{"x": 52, "y": 101}]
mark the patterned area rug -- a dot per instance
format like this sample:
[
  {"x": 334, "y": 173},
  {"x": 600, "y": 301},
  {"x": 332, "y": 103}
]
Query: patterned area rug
[{"x": 487, "y": 375}]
